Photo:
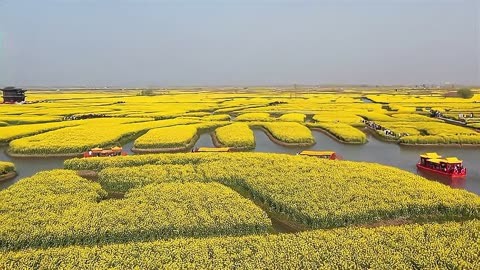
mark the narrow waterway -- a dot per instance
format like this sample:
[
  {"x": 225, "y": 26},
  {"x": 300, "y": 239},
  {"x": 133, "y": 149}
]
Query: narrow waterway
[
  {"x": 403, "y": 157},
  {"x": 204, "y": 140},
  {"x": 26, "y": 167}
]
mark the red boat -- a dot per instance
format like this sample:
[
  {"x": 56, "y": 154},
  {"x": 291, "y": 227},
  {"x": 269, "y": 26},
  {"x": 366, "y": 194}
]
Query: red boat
[
  {"x": 100, "y": 152},
  {"x": 320, "y": 154},
  {"x": 434, "y": 163}
]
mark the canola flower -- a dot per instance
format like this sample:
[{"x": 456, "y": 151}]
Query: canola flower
[
  {"x": 183, "y": 107},
  {"x": 341, "y": 131},
  {"x": 336, "y": 117},
  {"x": 169, "y": 137},
  {"x": 289, "y": 132},
  {"x": 318, "y": 193},
  {"x": 9, "y": 133},
  {"x": 255, "y": 117},
  {"x": 451, "y": 245},
  {"x": 432, "y": 133},
  {"x": 92, "y": 133},
  {"x": 237, "y": 135},
  {"x": 57, "y": 208},
  {"x": 27, "y": 119},
  {"x": 6, "y": 167},
  {"x": 293, "y": 117}
]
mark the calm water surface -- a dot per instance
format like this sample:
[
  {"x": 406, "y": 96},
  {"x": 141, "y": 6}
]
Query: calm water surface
[{"x": 404, "y": 157}]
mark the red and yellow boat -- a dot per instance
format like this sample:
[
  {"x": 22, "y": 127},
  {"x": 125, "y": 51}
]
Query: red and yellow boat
[
  {"x": 212, "y": 149},
  {"x": 320, "y": 154},
  {"x": 100, "y": 152},
  {"x": 434, "y": 163}
]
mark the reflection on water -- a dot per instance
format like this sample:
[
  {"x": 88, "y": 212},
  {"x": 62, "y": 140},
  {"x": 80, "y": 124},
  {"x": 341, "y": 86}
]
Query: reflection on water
[{"x": 403, "y": 157}]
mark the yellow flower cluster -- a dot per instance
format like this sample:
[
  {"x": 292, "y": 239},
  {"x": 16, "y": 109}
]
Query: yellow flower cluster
[
  {"x": 22, "y": 119},
  {"x": 293, "y": 117},
  {"x": 449, "y": 245},
  {"x": 91, "y": 133},
  {"x": 432, "y": 133},
  {"x": 342, "y": 131},
  {"x": 255, "y": 117},
  {"x": 337, "y": 117},
  {"x": 57, "y": 208},
  {"x": 290, "y": 132},
  {"x": 183, "y": 107},
  {"x": 9, "y": 133},
  {"x": 237, "y": 135},
  {"x": 318, "y": 193},
  {"x": 6, "y": 167},
  {"x": 167, "y": 137}
]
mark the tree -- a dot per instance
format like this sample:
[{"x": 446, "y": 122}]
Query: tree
[
  {"x": 465, "y": 93},
  {"x": 147, "y": 92}
]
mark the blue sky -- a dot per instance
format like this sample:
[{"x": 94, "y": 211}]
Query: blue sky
[{"x": 234, "y": 42}]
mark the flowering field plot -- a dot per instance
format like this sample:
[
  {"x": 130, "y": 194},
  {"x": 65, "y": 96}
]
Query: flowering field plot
[
  {"x": 264, "y": 117},
  {"x": 432, "y": 133},
  {"x": 293, "y": 117},
  {"x": 271, "y": 108},
  {"x": 338, "y": 117},
  {"x": 57, "y": 208},
  {"x": 317, "y": 193},
  {"x": 9, "y": 133},
  {"x": 222, "y": 210},
  {"x": 122, "y": 179},
  {"x": 425, "y": 99},
  {"x": 6, "y": 167},
  {"x": 22, "y": 119},
  {"x": 237, "y": 135},
  {"x": 91, "y": 133},
  {"x": 180, "y": 137},
  {"x": 288, "y": 132},
  {"x": 430, "y": 246},
  {"x": 342, "y": 131}
]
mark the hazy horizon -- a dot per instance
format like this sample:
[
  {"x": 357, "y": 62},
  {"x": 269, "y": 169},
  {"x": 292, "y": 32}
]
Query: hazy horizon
[{"x": 130, "y": 43}]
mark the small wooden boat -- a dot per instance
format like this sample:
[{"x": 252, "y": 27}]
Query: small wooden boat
[
  {"x": 434, "y": 163},
  {"x": 320, "y": 154},
  {"x": 212, "y": 149},
  {"x": 100, "y": 152}
]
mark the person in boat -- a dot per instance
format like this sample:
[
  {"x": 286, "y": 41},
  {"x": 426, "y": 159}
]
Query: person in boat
[{"x": 90, "y": 153}]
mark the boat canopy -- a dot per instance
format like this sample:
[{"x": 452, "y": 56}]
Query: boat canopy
[
  {"x": 436, "y": 160},
  {"x": 213, "y": 149},
  {"x": 431, "y": 155},
  {"x": 449, "y": 160},
  {"x": 97, "y": 149},
  {"x": 453, "y": 160},
  {"x": 317, "y": 153},
  {"x": 116, "y": 148}
]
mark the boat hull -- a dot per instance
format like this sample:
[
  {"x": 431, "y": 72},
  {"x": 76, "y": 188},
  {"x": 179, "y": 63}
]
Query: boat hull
[{"x": 452, "y": 175}]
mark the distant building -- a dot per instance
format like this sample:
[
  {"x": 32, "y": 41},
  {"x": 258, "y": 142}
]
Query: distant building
[{"x": 13, "y": 94}]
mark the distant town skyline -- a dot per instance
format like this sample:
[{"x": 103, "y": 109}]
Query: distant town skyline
[{"x": 127, "y": 43}]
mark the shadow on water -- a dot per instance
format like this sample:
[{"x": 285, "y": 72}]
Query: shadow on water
[{"x": 403, "y": 157}]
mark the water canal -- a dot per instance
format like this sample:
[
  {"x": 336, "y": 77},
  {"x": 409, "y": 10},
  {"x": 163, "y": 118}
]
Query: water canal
[{"x": 403, "y": 157}]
